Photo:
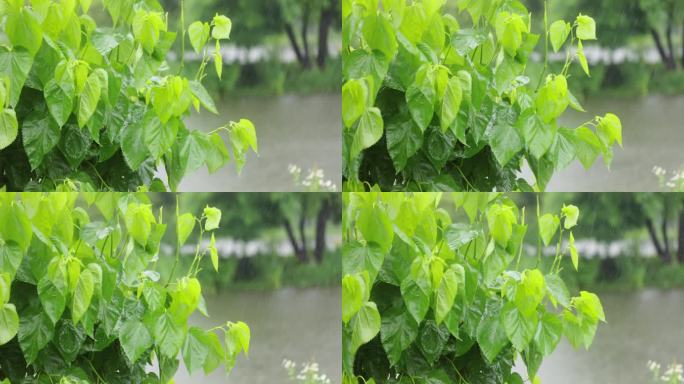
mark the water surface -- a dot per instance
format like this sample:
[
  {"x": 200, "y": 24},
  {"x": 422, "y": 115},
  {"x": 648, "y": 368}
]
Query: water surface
[
  {"x": 300, "y": 130},
  {"x": 653, "y": 134},
  {"x": 298, "y": 324},
  {"x": 641, "y": 326}
]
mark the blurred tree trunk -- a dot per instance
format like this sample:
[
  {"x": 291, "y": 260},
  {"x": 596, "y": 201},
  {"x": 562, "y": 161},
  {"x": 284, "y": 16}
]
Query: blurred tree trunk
[
  {"x": 305, "y": 33},
  {"x": 325, "y": 23},
  {"x": 302, "y": 234},
  {"x": 664, "y": 56},
  {"x": 321, "y": 224},
  {"x": 295, "y": 45},
  {"x": 299, "y": 251},
  {"x": 654, "y": 239},
  {"x": 666, "y": 238}
]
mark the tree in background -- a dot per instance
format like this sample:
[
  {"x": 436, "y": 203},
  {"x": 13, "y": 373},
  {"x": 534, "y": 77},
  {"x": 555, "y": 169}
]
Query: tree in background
[
  {"x": 304, "y": 218},
  {"x": 623, "y": 19},
  {"x": 608, "y": 216},
  {"x": 300, "y": 12},
  {"x": 296, "y": 210},
  {"x": 261, "y": 19}
]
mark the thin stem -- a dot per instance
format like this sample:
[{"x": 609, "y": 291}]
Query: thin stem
[
  {"x": 178, "y": 245},
  {"x": 539, "y": 240},
  {"x": 546, "y": 43},
  {"x": 182, "y": 63}
]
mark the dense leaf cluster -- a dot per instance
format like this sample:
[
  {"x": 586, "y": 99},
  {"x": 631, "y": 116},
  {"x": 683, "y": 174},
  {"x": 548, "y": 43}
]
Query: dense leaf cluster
[
  {"x": 429, "y": 104},
  {"x": 81, "y": 301},
  {"x": 430, "y": 299},
  {"x": 99, "y": 105}
]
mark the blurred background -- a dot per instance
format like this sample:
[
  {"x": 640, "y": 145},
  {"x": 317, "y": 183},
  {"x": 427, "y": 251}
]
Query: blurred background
[
  {"x": 632, "y": 255},
  {"x": 279, "y": 272},
  {"x": 282, "y": 70},
  {"x": 637, "y": 72}
]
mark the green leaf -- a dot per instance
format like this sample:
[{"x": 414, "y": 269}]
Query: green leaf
[
  {"x": 5, "y": 287},
  {"x": 354, "y": 98},
  {"x": 241, "y": 334},
  {"x": 578, "y": 330},
  {"x": 168, "y": 335},
  {"x": 217, "y": 157},
  {"x": 9, "y": 127},
  {"x": 9, "y": 323},
  {"x": 421, "y": 97},
  {"x": 35, "y": 333},
  {"x": 146, "y": 28},
  {"x": 539, "y": 137},
  {"x": 446, "y": 294},
  {"x": 379, "y": 34},
  {"x": 218, "y": 60},
  {"x": 558, "y": 292},
  {"x": 195, "y": 350},
  {"x": 213, "y": 252},
  {"x": 404, "y": 139},
  {"x": 135, "y": 339},
  {"x": 360, "y": 258},
  {"x": 530, "y": 292},
  {"x": 139, "y": 219},
  {"x": 586, "y": 28},
  {"x": 133, "y": 139},
  {"x": 376, "y": 227},
  {"x": 548, "y": 226},
  {"x": 185, "y": 223},
  {"x": 368, "y": 132},
  {"x": 590, "y": 305},
  {"x": 559, "y": 32},
  {"x": 609, "y": 130},
  {"x": 582, "y": 58},
  {"x": 83, "y": 295},
  {"x": 352, "y": 297},
  {"x": 587, "y": 146},
  {"x": 53, "y": 297},
  {"x": 548, "y": 334},
  {"x": 159, "y": 137},
  {"x": 573, "y": 252},
  {"x": 11, "y": 256},
  {"x": 500, "y": 219},
  {"x": 90, "y": 97},
  {"x": 15, "y": 228},
  {"x": 222, "y": 27},
  {"x": 199, "y": 35},
  {"x": 520, "y": 328},
  {"x": 553, "y": 98},
  {"x": 415, "y": 290},
  {"x": 59, "y": 102},
  {"x": 23, "y": 30},
  {"x": 398, "y": 331},
  {"x": 491, "y": 336},
  {"x": 40, "y": 135},
  {"x": 213, "y": 218},
  {"x": 203, "y": 96},
  {"x": 365, "y": 325},
  {"x": 217, "y": 354},
  {"x": 505, "y": 141},
  {"x": 15, "y": 65},
  {"x": 451, "y": 103}
]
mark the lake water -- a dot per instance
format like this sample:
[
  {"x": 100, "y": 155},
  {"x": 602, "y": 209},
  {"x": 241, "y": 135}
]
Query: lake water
[
  {"x": 299, "y": 130},
  {"x": 302, "y": 325},
  {"x": 653, "y": 133},
  {"x": 641, "y": 326}
]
